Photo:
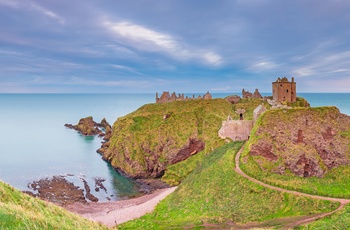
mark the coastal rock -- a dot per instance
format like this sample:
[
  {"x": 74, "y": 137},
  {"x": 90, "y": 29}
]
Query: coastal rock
[
  {"x": 308, "y": 142},
  {"x": 57, "y": 190},
  {"x": 86, "y": 126}
]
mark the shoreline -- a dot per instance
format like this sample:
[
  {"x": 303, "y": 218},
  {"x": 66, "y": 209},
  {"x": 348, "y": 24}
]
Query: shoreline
[{"x": 117, "y": 212}]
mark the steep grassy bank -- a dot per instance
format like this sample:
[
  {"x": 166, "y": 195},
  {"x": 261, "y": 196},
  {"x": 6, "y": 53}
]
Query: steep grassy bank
[
  {"x": 149, "y": 139},
  {"x": 306, "y": 150},
  {"x": 20, "y": 211},
  {"x": 215, "y": 193}
]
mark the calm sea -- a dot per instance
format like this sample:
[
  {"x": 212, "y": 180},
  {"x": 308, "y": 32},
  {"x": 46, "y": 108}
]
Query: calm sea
[{"x": 34, "y": 143}]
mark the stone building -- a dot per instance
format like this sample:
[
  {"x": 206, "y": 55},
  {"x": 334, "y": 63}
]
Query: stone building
[
  {"x": 284, "y": 90},
  {"x": 240, "y": 129}
]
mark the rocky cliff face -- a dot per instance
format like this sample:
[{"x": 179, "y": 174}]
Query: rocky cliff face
[
  {"x": 307, "y": 142},
  {"x": 146, "y": 141}
]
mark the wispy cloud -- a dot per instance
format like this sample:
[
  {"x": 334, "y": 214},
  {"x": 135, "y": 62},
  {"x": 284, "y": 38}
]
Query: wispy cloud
[
  {"x": 32, "y": 6},
  {"x": 146, "y": 39},
  {"x": 129, "y": 69},
  {"x": 323, "y": 64},
  {"x": 263, "y": 65}
]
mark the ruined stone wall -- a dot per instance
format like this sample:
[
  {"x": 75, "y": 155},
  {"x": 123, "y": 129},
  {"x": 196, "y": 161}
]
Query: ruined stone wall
[
  {"x": 236, "y": 129},
  {"x": 165, "y": 97}
]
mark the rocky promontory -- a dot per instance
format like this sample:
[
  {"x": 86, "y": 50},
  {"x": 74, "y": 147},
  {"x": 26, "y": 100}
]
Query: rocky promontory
[
  {"x": 88, "y": 127},
  {"x": 145, "y": 142}
]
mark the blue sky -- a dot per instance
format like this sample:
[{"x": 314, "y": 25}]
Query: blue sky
[{"x": 117, "y": 46}]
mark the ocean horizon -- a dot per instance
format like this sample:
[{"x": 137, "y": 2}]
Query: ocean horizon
[{"x": 34, "y": 143}]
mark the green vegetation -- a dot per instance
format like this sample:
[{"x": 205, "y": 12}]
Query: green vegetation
[
  {"x": 335, "y": 182},
  {"x": 176, "y": 173},
  {"x": 300, "y": 102},
  {"x": 215, "y": 193},
  {"x": 20, "y": 211},
  {"x": 156, "y": 132},
  {"x": 339, "y": 220}
]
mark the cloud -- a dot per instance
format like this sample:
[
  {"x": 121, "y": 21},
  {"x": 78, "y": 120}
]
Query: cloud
[
  {"x": 263, "y": 65},
  {"x": 46, "y": 12},
  {"x": 149, "y": 40},
  {"x": 323, "y": 64},
  {"x": 132, "y": 70},
  {"x": 32, "y": 6}
]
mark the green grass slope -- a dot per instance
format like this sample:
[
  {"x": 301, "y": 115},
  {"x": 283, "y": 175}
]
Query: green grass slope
[
  {"x": 20, "y": 211},
  {"x": 215, "y": 193},
  {"x": 339, "y": 220},
  {"x": 280, "y": 129},
  {"x": 143, "y": 142}
]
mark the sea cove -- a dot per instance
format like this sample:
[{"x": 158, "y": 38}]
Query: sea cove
[{"x": 34, "y": 143}]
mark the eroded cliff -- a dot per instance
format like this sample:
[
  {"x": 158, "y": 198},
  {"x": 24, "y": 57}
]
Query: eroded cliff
[{"x": 146, "y": 141}]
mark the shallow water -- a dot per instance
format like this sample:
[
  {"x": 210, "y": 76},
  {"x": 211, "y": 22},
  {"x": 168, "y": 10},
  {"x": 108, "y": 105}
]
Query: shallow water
[{"x": 34, "y": 143}]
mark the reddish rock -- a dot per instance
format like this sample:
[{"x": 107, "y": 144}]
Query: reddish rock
[
  {"x": 86, "y": 126},
  {"x": 303, "y": 141},
  {"x": 263, "y": 149},
  {"x": 194, "y": 146}
]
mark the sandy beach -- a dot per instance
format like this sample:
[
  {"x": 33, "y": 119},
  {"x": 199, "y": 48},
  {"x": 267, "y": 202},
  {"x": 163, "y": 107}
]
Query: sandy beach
[{"x": 117, "y": 212}]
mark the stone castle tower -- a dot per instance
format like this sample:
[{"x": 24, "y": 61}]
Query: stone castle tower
[{"x": 284, "y": 90}]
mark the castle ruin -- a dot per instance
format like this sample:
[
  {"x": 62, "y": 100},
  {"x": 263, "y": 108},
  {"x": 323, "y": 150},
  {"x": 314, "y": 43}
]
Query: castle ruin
[
  {"x": 284, "y": 90},
  {"x": 166, "y": 97},
  {"x": 247, "y": 94}
]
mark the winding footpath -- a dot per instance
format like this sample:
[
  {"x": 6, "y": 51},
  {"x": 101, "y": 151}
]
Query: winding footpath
[{"x": 342, "y": 202}]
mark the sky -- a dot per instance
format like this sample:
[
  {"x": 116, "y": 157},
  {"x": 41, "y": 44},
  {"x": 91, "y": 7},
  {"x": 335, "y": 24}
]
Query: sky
[{"x": 148, "y": 46}]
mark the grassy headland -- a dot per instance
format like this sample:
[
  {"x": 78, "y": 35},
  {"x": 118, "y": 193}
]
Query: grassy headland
[
  {"x": 215, "y": 193},
  {"x": 147, "y": 140},
  {"x": 21, "y": 211}
]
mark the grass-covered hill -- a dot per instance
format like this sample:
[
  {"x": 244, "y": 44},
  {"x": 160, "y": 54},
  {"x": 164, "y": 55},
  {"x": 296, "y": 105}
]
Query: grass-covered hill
[
  {"x": 305, "y": 149},
  {"x": 215, "y": 196},
  {"x": 21, "y": 211},
  {"x": 146, "y": 141}
]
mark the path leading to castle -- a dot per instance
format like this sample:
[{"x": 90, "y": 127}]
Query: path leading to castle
[{"x": 304, "y": 220}]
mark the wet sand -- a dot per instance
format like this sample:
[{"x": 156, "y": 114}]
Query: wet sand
[{"x": 117, "y": 212}]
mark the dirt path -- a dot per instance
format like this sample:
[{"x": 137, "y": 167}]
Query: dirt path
[
  {"x": 114, "y": 213},
  {"x": 306, "y": 219}
]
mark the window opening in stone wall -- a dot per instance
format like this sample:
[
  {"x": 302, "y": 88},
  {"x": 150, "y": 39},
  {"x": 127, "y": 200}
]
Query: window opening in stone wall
[
  {"x": 241, "y": 116},
  {"x": 287, "y": 90}
]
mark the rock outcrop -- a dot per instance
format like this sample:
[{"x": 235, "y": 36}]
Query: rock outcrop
[
  {"x": 88, "y": 127},
  {"x": 307, "y": 142}
]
